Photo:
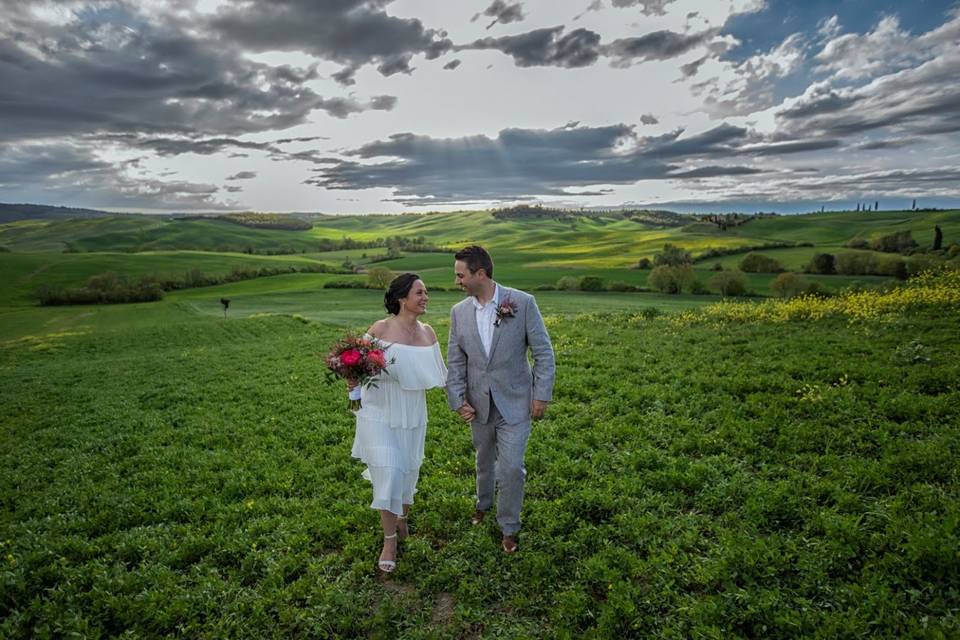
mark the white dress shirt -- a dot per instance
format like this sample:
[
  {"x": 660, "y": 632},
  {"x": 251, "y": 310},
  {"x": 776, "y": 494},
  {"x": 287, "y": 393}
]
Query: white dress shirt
[{"x": 486, "y": 315}]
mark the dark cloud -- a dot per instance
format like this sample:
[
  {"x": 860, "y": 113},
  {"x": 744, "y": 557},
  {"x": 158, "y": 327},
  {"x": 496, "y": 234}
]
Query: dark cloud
[
  {"x": 546, "y": 47},
  {"x": 233, "y": 188},
  {"x": 523, "y": 163},
  {"x": 351, "y": 32},
  {"x": 658, "y": 45},
  {"x": 650, "y": 7},
  {"x": 67, "y": 174},
  {"x": 453, "y": 64},
  {"x": 502, "y": 12},
  {"x": 648, "y": 118},
  {"x": 691, "y": 68},
  {"x": 923, "y": 101},
  {"x": 788, "y": 147},
  {"x": 899, "y": 143},
  {"x": 242, "y": 175},
  {"x": 713, "y": 171},
  {"x": 121, "y": 73}
]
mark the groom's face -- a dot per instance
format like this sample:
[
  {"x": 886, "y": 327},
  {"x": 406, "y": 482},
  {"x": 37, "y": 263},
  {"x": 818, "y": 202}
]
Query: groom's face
[{"x": 469, "y": 282}]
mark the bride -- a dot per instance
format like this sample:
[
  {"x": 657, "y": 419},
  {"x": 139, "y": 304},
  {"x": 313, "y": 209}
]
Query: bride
[{"x": 392, "y": 420}]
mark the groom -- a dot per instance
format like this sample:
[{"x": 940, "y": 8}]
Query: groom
[{"x": 490, "y": 384}]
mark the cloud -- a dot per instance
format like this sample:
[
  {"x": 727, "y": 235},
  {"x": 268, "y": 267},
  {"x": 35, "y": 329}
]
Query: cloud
[
  {"x": 855, "y": 56},
  {"x": 62, "y": 173},
  {"x": 453, "y": 64},
  {"x": 657, "y": 45},
  {"x": 917, "y": 101},
  {"x": 351, "y": 32},
  {"x": 650, "y": 7},
  {"x": 502, "y": 12},
  {"x": 242, "y": 175},
  {"x": 117, "y": 72},
  {"x": 648, "y": 118},
  {"x": 569, "y": 160},
  {"x": 546, "y": 47},
  {"x": 754, "y": 82}
]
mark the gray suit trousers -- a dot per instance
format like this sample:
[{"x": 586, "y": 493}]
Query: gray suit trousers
[{"x": 500, "y": 452}]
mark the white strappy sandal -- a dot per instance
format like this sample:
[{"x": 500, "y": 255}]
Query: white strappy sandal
[{"x": 387, "y": 566}]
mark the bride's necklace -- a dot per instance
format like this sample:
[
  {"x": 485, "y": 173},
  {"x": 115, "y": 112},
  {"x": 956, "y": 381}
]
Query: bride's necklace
[{"x": 410, "y": 331}]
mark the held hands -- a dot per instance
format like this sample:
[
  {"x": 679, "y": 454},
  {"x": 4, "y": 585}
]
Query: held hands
[
  {"x": 538, "y": 408},
  {"x": 467, "y": 412}
]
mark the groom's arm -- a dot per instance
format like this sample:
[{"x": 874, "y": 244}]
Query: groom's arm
[
  {"x": 544, "y": 364},
  {"x": 456, "y": 367}
]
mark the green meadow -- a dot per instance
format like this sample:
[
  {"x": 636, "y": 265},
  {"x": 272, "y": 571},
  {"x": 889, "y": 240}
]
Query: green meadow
[{"x": 172, "y": 471}]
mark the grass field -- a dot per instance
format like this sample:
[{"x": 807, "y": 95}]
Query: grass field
[
  {"x": 192, "y": 478},
  {"x": 705, "y": 471}
]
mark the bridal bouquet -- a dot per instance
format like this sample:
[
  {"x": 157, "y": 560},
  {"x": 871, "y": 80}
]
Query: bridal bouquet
[{"x": 358, "y": 359}]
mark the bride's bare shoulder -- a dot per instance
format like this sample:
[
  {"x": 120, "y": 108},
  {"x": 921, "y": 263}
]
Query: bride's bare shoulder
[
  {"x": 378, "y": 328},
  {"x": 430, "y": 332}
]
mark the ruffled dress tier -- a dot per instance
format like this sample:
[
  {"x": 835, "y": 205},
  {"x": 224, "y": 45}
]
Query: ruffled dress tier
[{"x": 392, "y": 423}]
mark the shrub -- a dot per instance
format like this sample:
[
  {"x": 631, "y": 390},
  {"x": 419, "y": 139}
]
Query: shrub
[
  {"x": 895, "y": 267},
  {"x": 850, "y": 263},
  {"x": 759, "y": 263},
  {"x": 787, "y": 285},
  {"x": 568, "y": 283},
  {"x": 345, "y": 284},
  {"x": 539, "y": 287},
  {"x": 698, "y": 288},
  {"x": 897, "y": 242},
  {"x": 858, "y": 242},
  {"x": 717, "y": 267},
  {"x": 4, "y": 249},
  {"x": 919, "y": 264},
  {"x": 672, "y": 256},
  {"x": 953, "y": 251},
  {"x": 379, "y": 277},
  {"x": 729, "y": 283},
  {"x": 822, "y": 263},
  {"x": 672, "y": 279},
  {"x": 622, "y": 286},
  {"x": 644, "y": 263},
  {"x": 590, "y": 283}
]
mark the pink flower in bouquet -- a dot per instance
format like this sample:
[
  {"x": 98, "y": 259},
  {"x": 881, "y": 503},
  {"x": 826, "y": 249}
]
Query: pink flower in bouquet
[
  {"x": 377, "y": 357},
  {"x": 351, "y": 357}
]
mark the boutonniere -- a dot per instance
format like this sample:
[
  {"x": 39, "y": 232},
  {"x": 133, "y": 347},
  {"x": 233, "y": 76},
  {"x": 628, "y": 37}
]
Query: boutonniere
[{"x": 506, "y": 309}]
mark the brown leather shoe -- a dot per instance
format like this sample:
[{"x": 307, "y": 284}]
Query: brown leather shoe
[
  {"x": 478, "y": 517},
  {"x": 509, "y": 544}
]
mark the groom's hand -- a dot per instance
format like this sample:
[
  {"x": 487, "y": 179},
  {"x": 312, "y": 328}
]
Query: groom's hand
[
  {"x": 467, "y": 412},
  {"x": 538, "y": 408}
]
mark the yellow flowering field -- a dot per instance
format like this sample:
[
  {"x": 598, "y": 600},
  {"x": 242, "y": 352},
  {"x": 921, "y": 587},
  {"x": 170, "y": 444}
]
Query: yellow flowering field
[{"x": 935, "y": 289}]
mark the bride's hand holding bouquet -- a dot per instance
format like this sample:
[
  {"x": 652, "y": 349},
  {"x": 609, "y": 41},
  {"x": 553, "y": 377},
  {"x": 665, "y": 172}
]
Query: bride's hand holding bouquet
[{"x": 358, "y": 361}]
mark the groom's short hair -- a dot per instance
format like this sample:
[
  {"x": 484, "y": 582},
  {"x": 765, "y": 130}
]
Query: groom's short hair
[{"x": 476, "y": 258}]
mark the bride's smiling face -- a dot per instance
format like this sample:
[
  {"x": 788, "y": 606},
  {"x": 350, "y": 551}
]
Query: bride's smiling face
[{"x": 416, "y": 300}]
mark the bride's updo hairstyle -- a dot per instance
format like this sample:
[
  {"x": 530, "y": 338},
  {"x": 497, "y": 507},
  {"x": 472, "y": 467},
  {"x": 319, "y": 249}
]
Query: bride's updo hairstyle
[{"x": 399, "y": 289}]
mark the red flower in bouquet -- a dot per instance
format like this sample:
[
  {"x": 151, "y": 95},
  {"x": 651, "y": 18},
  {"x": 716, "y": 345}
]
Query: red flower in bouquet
[
  {"x": 359, "y": 360},
  {"x": 350, "y": 358}
]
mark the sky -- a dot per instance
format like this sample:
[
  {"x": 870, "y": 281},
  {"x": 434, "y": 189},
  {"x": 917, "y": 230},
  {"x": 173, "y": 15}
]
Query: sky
[{"x": 388, "y": 106}]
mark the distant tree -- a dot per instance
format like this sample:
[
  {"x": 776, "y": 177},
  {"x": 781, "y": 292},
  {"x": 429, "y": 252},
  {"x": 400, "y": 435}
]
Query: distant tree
[
  {"x": 822, "y": 263},
  {"x": 568, "y": 283},
  {"x": 590, "y": 283},
  {"x": 914, "y": 207},
  {"x": 729, "y": 283},
  {"x": 226, "y": 305},
  {"x": 672, "y": 256},
  {"x": 937, "y": 238},
  {"x": 379, "y": 277},
  {"x": 759, "y": 263},
  {"x": 644, "y": 263},
  {"x": 897, "y": 242},
  {"x": 667, "y": 279},
  {"x": 876, "y": 206},
  {"x": 787, "y": 285}
]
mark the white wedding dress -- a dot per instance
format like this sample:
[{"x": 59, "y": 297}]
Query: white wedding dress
[{"x": 392, "y": 423}]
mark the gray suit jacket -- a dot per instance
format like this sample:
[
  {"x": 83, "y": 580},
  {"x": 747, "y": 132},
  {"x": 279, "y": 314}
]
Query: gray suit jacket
[{"x": 506, "y": 374}]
